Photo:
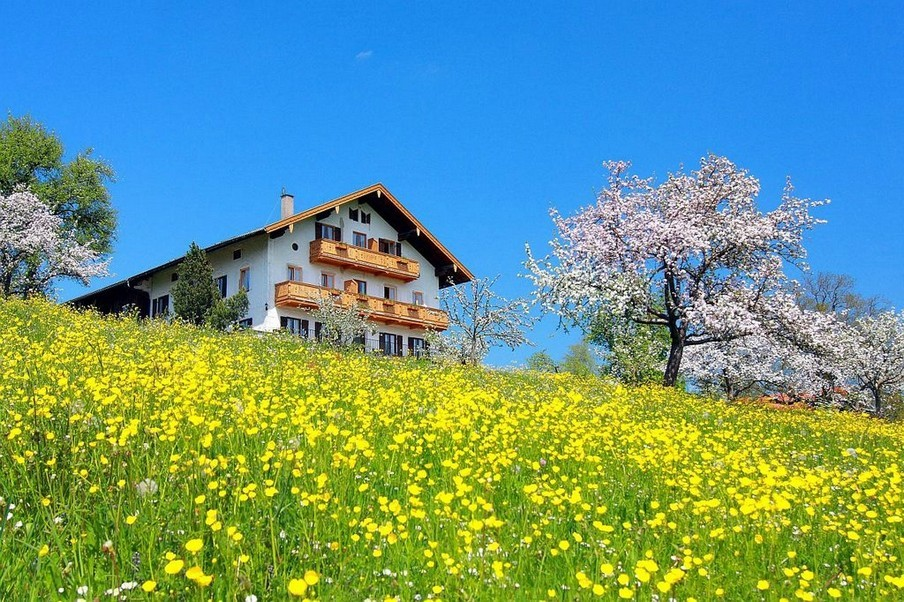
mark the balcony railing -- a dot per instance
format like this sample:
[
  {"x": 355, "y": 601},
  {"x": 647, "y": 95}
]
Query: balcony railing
[
  {"x": 387, "y": 311},
  {"x": 367, "y": 260}
]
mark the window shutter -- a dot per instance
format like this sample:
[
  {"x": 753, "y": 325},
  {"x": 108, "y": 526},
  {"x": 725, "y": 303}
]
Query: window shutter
[
  {"x": 283, "y": 321},
  {"x": 304, "y": 328},
  {"x": 318, "y": 230},
  {"x": 337, "y": 234}
]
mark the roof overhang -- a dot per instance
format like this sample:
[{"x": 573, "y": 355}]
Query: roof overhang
[
  {"x": 448, "y": 269},
  {"x": 130, "y": 282}
]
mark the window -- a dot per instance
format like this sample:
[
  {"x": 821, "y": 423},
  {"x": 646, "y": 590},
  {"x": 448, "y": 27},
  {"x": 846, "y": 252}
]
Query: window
[
  {"x": 353, "y": 214},
  {"x": 295, "y": 326},
  {"x": 417, "y": 347},
  {"x": 328, "y": 280},
  {"x": 246, "y": 323},
  {"x": 391, "y": 247},
  {"x": 417, "y": 297},
  {"x": 318, "y": 330},
  {"x": 389, "y": 292},
  {"x": 365, "y": 218},
  {"x": 245, "y": 279},
  {"x": 221, "y": 285},
  {"x": 362, "y": 287},
  {"x": 160, "y": 306},
  {"x": 294, "y": 273},
  {"x": 294, "y": 246},
  {"x": 359, "y": 239},
  {"x": 390, "y": 344},
  {"x": 237, "y": 254},
  {"x": 327, "y": 231},
  {"x": 174, "y": 277}
]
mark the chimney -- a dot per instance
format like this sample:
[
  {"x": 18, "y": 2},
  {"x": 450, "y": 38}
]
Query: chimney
[{"x": 287, "y": 206}]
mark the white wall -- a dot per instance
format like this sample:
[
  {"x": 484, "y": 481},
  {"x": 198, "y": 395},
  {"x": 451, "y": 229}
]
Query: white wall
[
  {"x": 281, "y": 255},
  {"x": 254, "y": 256},
  {"x": 269, "y": 259}
]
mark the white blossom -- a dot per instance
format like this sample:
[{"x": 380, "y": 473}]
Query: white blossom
[
  {"x": 871, "y": 354},
  {"x": 35, "y": 249},
  {"x": 342, "y": 324},
  {"x": 479, "y": 319},
  {"x": 693, "y": 254}
]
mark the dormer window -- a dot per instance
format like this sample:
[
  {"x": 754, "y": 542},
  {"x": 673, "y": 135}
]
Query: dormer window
[
  {"x": 327, "y": 231},
  {"x": 365, "y": 217}
]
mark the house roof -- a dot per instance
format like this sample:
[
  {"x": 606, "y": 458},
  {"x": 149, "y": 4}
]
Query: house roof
[
  {"x": 126, "y": 283},
  {"x": 449, "y": 269}
]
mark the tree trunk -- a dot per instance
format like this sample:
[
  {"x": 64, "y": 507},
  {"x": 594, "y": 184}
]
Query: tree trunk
[
  {"x": 676, "y": 350},
  {"x": 877, "y": 399}
]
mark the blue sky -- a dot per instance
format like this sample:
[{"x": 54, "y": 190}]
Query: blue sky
[{"x": 479, "y": 117}]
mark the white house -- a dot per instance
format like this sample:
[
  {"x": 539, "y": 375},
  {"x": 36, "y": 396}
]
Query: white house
[{"x": 363, "y": 249}]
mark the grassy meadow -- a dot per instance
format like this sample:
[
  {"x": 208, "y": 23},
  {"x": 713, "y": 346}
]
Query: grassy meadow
[{"x": 144, "y": 460}]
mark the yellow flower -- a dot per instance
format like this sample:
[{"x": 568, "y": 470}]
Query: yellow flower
[
  {"x": 194, "y": 545},
  {"x": 625, "y": 593},
  {"x": 297, "y": 587},
  {"x": 762, "y": 585},
  {"x": 204, "y": 580},
  {"x": 194, "y": 572},
  {"x": 564, "y": 545},
  {"x": 173, "y": 567},
  {"x": 311, "y": 577},
  {"x": 130, "y": 520},
  {"x": 44, "y": 551},
  {"x": 149, "y": 586}
]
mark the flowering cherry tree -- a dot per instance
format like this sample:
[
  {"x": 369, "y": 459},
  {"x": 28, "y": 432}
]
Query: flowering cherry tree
[
  {"x": 793, "y": 353},
  {"x": 693, "y": 255},
  {"x": 342, "y": 324},
  {"x": 36, "y": 249},
  {"x": 872, "y": 355},
  {"x": 480, "y": 319}
]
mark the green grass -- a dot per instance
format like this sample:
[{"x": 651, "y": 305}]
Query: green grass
[{"x": 391, "y": 478}]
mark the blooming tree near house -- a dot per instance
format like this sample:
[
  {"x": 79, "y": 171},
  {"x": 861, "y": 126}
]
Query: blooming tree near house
[
  {"x": 693, "y": 255},
  {"x": 342, "y": 325},
  {"x": 480, "y": 319},
  {"x": 36, "y": 248}
]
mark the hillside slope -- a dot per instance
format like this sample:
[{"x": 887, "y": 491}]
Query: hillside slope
[{"x": 166, "y": 461}]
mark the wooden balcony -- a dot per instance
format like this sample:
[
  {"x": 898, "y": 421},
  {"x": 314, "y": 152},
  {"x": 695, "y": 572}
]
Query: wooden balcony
[
  {"x": 367, "y": 260},
  {"x": 386, "y": 311}
]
